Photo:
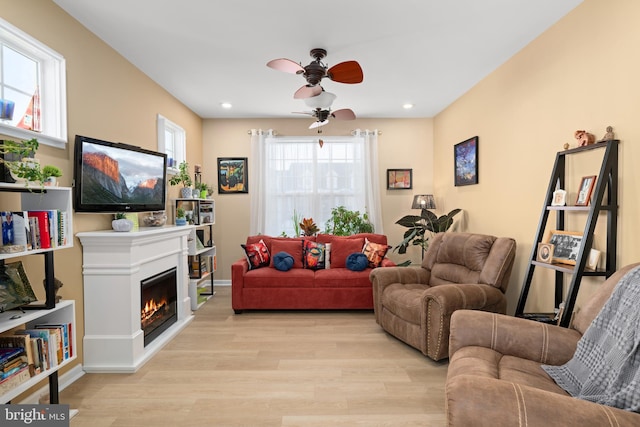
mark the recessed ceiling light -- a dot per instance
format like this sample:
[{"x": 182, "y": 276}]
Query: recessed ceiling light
[
  {"x": 226, "y": 105},
  {"x": 407, "y": 106}
]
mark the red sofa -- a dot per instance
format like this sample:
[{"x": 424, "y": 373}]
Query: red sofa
[{"x": 335, "y": 287}]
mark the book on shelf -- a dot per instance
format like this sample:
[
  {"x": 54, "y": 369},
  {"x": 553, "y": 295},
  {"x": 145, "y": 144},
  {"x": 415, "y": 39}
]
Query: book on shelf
[
  {"x": 14, "y": 380},
  {"x": 10, "y": 340},
  {"x": 47, "y": 348},
  {"x": 43, "y": 228},
  {"x": 56, "y": 341},
  {"x": 61, "y": 330},
  {"x": 16, "y": 234}
]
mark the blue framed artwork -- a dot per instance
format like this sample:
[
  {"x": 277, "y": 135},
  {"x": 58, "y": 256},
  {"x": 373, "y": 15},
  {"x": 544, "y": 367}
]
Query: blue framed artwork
[{"x": 465, "y": 156}]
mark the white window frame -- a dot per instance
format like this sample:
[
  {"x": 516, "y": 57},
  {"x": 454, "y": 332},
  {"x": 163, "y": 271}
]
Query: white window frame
[
  {"x": 53, "y": 89},
  {"x": 179, "y": 142}
]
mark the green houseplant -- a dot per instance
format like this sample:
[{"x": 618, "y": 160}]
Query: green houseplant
[
  {"x": 344, "y": 222},
  {"x": 421, "y": 227},
  {"x": 18, "y": 158},
  {"x": 183, "y": 177},
  {"x": 50, "y": 174},
  {"x": 181, "y": 218}
]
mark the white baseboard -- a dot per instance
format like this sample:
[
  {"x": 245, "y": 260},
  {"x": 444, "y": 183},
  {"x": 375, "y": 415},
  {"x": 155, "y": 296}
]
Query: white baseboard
[
  {"x": 64, "y": 381},
  {"x": 222, "y": 283}
]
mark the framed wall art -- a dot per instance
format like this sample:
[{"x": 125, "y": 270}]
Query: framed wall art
[
  {"x": 233, "y": 175},
  {"x": 566, "y": 245},
  {"x": 585, "y": 190},
  {"x": 399, "y": 179},
  {"x": 465, "y": 156}
]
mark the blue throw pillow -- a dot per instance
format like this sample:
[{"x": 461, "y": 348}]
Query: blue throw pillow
[
  {"x": 282, "y": 261},
  {"x": 357, "y": 261}
]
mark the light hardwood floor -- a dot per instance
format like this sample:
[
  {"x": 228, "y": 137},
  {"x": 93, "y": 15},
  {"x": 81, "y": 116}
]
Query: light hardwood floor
[{"x": 264, "y": 368}]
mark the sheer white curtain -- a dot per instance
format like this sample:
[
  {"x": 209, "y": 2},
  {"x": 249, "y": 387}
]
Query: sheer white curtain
[
  {"x": 296, "y": 175},
  {"x": 372, "y": 176},
  {"x": 256, "y": 173}
]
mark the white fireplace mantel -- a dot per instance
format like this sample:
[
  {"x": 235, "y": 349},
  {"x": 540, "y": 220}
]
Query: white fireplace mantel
[{"x": 113, "y": 265}]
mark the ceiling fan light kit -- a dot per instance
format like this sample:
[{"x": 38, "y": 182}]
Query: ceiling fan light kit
[{"x": 312, "y": 93}]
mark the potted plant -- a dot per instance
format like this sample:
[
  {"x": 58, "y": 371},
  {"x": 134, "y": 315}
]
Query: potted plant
[
  {"x": 183, "y": 177},
  {"x": 344, "y": 222},
  {"x": 420, "y": 228},
  {"x": 181, "y": 218},
  {"x": 201, "y": 187},
  {"x": 18, "y": 159},
  {"x": 121, "y": 223},
  {"x": 50, "y": 174}
]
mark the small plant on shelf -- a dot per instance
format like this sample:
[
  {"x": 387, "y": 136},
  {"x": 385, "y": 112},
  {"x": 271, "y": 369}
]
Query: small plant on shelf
[
  {"x": 182, "y": 177},
  {"x": 181, "y": 218}
]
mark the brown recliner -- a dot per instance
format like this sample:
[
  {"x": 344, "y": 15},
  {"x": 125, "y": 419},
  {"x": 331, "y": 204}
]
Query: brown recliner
[
  {"x": 495, "y": 377},
  {"x": 459, "y": 270}
]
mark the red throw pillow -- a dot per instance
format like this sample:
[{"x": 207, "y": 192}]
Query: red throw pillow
[
  {"x": 375, "y": 253},
  {"x": 314, "y": 255},
  {"x": 341, "y": 249},
  {"x": 292, "y": 247},
  {"x": 257, "y": 254}
]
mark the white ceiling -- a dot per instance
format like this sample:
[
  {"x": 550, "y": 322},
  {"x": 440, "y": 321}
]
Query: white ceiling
[{"x": 424, "y": 52}]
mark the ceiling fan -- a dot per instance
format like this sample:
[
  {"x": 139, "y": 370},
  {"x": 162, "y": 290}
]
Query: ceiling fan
[
  {"x": 321, "y": 105},
  {"x": 348, "y": 72}
]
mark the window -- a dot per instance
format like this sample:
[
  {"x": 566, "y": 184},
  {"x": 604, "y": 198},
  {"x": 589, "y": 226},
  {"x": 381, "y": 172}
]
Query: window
[
  {"x": 32, "y": 78},
  {"x": 172, "y": 140},
  {"x": 302, "y": 177}
]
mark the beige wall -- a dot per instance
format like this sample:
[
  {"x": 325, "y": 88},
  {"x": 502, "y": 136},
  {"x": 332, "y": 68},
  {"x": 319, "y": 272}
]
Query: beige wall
[
  {"x": 108, "y": 98},
  {"x": 404, "y": 143},
  {"x": 580, "y": 74}
]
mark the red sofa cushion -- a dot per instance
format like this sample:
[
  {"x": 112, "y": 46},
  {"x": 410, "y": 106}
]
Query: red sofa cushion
[
  {"x": 293, "y": 247},
  {"x": 342, "y": 278},
  {"x": 273, "y": 278}
]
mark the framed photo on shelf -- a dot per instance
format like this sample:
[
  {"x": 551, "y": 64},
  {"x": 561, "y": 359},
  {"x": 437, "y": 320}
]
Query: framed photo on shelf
[
  {"x": 233, "y": 175},
  {"x": 465, "y": 156},
  {"x": 585, "y": 190},
  {"x": 545, "y": 253},
  {"x": 559, "y": 198},
  {"x": 399, "y": 179},
  {"x": 566, "y": 245},
  {"x": 594, "y": 259}
]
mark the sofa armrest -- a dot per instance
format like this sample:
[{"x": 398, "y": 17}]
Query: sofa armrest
[
  {"x": 512, "y": 336},
  {"x": 478, "y": 401},
  {"x": 382, "y": 277},
  {"x": 238, "y": 270},
  {"x": 439, "y": 302}
]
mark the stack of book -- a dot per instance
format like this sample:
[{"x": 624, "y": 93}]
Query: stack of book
[
  {"x": 28, "y": 352},
  {"x": 29, "y": 230}
]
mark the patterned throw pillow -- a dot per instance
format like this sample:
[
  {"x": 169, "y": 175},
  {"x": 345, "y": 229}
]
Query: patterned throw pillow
[
  {"x": 314, "y": 255},
  {"x": 375, "y": 252},
  {"x": 257, "y": 254}
]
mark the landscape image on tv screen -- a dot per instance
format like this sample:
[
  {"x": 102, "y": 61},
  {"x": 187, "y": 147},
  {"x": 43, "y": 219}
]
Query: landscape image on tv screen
[{"x": 114, "y": 176}]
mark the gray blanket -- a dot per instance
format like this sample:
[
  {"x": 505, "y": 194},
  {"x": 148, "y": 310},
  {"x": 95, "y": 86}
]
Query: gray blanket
[{"x": 606, "y": 365}]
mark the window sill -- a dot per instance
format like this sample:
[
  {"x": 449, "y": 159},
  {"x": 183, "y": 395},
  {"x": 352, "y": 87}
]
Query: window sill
[{"x": 25, "y": 134}]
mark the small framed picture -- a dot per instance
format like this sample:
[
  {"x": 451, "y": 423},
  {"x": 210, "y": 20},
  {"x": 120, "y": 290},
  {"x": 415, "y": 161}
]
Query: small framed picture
[
  {"x": 566, "y": 245},
  {"x": 585, "y": 189},
  {"x": 594, "y": 259},
  {"x": 545, "y": 252},
  {"x": 465, "y": 159},
  {"x": 232, "y": 175},
  {"x": 559, "y": 198},
  {"x": 399, "y": 179}
]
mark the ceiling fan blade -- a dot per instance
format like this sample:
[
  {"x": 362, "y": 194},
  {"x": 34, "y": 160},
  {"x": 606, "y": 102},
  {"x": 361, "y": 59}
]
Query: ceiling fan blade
[
  {"x": 318, "y": 124},
  {"x": 344, "y": 114},
  {"x": 307, "y": 92},
  {"x": 346, "y": 72},
  {"x": 286, "y": 65}
]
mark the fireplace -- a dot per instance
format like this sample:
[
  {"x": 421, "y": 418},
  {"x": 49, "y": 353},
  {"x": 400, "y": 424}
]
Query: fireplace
[{"x": 158, "y": 304}]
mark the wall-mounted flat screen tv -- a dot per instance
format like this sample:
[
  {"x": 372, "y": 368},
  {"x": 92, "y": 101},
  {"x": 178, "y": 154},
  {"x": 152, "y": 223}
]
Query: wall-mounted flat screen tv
[{"x": 114, "y": 177}]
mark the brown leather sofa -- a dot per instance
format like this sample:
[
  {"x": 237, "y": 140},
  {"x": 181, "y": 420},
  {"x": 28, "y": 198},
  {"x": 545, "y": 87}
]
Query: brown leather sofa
[
  {"x": 495, "y": 379},
  {"x": 459, "y": 270}
]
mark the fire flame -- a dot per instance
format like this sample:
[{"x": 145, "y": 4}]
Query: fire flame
[{"x": 151, "y": 307}]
